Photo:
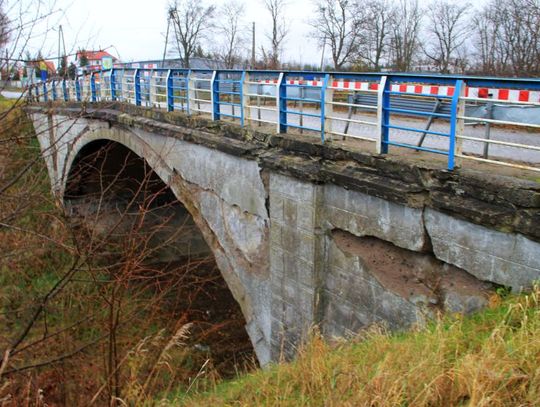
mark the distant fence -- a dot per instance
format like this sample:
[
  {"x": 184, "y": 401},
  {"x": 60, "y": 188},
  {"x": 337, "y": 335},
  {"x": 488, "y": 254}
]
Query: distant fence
[
  {"x": 13, "y": 84},
  {"x": 418, "y": 112}
]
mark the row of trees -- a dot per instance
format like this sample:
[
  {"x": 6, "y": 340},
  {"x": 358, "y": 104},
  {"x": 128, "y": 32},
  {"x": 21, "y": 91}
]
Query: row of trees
[
  {"x": 193, "y": 22},
  {"x": 508, "y": 37},
  {"x": 500, "y": 37}
]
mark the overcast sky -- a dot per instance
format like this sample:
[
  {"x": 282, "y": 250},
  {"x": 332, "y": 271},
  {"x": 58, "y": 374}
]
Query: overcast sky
[{"x": 135, "y": 29}]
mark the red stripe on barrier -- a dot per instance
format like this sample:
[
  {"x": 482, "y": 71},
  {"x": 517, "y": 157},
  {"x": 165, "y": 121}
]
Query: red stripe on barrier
[
  {"x": 504, "y": 94},
  {"x": 403, "y": 88},
  {"x": 523, "y": 95},
  {"x": 346, "y": 84},
  {"x": 483, "y": 92},
  {"x": 374, "y": 86},
  {"x": 358, "y": 85},
  {"x": 434, "y": 90},
  {"x": 334, "y": 84},
  {"x": 418, "y": 89},
  {"x": 450, "y": 91}
]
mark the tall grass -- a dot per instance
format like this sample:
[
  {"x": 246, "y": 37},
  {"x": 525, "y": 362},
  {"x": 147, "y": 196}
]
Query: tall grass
[{"x": 489, "y": 359}]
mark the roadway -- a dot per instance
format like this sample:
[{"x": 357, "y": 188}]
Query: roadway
[{"x": 514, "y": 135}]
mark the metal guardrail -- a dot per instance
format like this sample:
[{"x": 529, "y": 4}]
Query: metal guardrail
[{"x": 390, "y": 110}]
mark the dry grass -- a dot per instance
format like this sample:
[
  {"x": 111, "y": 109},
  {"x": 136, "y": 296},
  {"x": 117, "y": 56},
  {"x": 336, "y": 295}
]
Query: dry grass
[{"x": 490, "y": 359}]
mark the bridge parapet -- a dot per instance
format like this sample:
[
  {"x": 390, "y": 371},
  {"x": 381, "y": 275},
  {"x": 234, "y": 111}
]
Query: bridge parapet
[{"x": 434, "y": 114}]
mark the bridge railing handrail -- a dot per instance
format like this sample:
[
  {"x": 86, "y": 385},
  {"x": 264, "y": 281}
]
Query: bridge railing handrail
[{"x": 314, "y": 101}]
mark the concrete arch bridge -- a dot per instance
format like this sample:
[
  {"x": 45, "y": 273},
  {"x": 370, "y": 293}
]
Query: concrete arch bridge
[{"x": 306, "y": 233}]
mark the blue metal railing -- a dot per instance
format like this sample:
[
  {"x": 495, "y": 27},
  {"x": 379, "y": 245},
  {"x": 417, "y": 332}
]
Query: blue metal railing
[
  {"x": 387, "y": 111},
  {"x": 308, "y": 101}
]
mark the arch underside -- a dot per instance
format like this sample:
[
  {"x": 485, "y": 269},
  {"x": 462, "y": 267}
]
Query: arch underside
[{"x": 235, "y": 233}]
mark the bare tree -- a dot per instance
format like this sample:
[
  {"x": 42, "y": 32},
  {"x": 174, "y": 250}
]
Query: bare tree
[
  {"x": 276, "y": 8},
  {"x": 519, "y": 33},
  {"x": 191, "y": 20},
  {"x": 508, "y": 37},
  {"x": 4, "y": 26},
  {"x": 488, "y": 51},
  {"x": 448, "y": 30},
  {"x": 376, "y": 27},
  {"x": 337, "y": 23},
  {"x": 405, "y": 30},
  {"x": 231, "y": 33}
]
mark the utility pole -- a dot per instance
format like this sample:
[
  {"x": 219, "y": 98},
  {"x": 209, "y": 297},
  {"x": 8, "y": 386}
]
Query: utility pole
[
  {"x": 323, "y": 42},
  {"x": 59, "y": 40},
  {"x": 61, "y": 47},
  {"x": 166, "y": 40},
  {"x": 322, "y": 54},
  {"x": 253, "y": 45}
]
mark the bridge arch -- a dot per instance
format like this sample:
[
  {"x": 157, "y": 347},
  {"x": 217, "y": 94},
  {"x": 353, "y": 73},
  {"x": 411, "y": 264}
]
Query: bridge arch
[{"x": 238, "y": 263}]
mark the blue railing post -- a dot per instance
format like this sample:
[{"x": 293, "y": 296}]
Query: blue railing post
[
  {"x": 453, "y": 123},
  {"x": 78, "y": 89},
  {"x": 45, "y": 93},
  {"x": 188, "y": 90},
  {"x": 242, "y": 110},
  {"x": 214, "y": 95},
  {"x": 282, "y": 103},
  {"x": 383, "y": 104},
  {"x": 93, "y": 87},
  {"x": 170, "y": 91},
  {"x": 323, "y": 106},
  {"x": 64, "y": 90},
  {"x": 113, "y": 84},
  {"x": 137, "y": 80},
  {"x": 53, "y": 83}
]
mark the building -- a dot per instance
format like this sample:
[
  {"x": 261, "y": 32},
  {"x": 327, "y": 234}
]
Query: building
[
  {"x": 95, "y": 60},
  {"x": 40, "y": 70}
]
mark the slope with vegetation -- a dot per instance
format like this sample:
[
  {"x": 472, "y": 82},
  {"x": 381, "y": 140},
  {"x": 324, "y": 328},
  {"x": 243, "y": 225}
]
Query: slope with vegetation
[
  {"x": 488, "y": 359},
  {"x": 88, "y": 321}
]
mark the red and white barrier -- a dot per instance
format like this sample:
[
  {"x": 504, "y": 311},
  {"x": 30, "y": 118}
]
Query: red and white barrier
[{"x": 512, "y": 95}]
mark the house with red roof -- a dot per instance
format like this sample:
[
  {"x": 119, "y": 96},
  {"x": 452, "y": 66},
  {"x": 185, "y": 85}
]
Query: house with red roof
[{"x": 95, "y": 60}]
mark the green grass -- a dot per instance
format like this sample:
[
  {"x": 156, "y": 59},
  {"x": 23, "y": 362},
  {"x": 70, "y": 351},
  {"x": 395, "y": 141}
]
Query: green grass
[{"x": 488, "y": 359}]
